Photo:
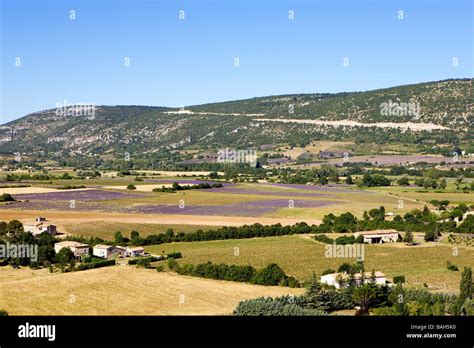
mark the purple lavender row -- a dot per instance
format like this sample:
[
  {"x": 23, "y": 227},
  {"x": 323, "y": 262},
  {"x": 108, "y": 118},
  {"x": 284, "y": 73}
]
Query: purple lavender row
[
  {"x": 84, "y": 195},
  {"x": 245, "y": 191}
]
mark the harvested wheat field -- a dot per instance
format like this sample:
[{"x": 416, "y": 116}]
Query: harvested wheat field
[
  {"x": 126, "y": 290},
  {"x": 62, "y": 218}
]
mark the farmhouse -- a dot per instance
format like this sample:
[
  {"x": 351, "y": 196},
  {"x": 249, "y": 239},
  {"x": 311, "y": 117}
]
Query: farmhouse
[
  {"x": 120, "y": 251},
  {"x": 78, "y": 249},
  {"x": 336, "y": 279},
  {"x": 38, "y": 228},
  {"x": 104, "y": 251},
  {"x": 378, "y": 236},
  {"x": 136, "y": 251}
]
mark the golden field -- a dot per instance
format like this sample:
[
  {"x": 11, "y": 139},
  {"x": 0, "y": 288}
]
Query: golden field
[{"x": 122, "y": 290}]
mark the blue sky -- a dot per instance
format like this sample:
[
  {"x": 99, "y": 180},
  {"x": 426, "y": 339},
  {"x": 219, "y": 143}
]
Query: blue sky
[{"x": 177, "y": 62}]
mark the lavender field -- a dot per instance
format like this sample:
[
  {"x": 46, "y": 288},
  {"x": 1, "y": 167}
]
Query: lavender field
[
  {"x": 244, "y": 191},
  {"x": 82, "y": 195},
  {"x": 236, "y": 209},
  {"x": 103, "y": 201}
]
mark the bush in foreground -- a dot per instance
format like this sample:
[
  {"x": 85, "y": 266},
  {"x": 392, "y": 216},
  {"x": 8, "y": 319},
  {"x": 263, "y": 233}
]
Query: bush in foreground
[{"x": 280, "y": 306}]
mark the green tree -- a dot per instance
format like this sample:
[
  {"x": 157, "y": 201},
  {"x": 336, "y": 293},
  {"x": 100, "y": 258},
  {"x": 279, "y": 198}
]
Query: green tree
[
  {"x": 118, "y": 238},
  {"x": 349, "y": 180},
  {"x": 172, "y": 264},
  {"x": 364, "y": 296},
  {"x": 403, "y": 181},
  {"x": 64, "y": 256},
  {"x": 373, "y": 278},
  {"x": 442, "y": 183},
  {"x": 408, "y": 237},
  {"x": 6, "y": 197},
  {"x": 270, "y": 275},
  {"x": 135, "y": 238},
  {"x": 65, "y": 176},
  {"x": 14, "y": 227},
  {"x": 465, "y": 290},
  {"x": 46, "y": 253},
  {"x": 430, "y": 236}
]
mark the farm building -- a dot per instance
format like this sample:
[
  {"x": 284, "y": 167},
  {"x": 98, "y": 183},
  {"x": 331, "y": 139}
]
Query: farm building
[
  {"x": 128, "y": 251},
  {"x": 78, "y": 249},
  {"x": 120, "y": 251},
  {"x": 378, "y": 236},
  {"x": 104, "y": 251},
  {"x": 38, "y": 228},
  {"x": 135, "y": 251},
  {"x": 336, "y": 279}
]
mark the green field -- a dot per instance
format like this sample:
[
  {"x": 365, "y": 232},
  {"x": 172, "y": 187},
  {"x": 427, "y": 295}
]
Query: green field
[
  {"x": 107, "y": 229},
  {"x": 300, "y": 256}
]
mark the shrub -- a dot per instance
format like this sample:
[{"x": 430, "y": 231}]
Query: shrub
[
  {"x": 403, "y": 181},
  {"x": 131, "y": 187},
  {"x": 371, "y": 180},
  {"x": 343, "y": 240},
  {"x": 348, "y": 268},
  {"x": 328, "y": 300},
  {"x": 451, "y": 267},
  {"x": 172, "y": 264},
  {"x": 160, "y": 268},
  {"x": 323, "y": 239},
  {"x": 360, "y": 239},
  {"x": 270, "y": 275},
  {"x": 399, "y": 279},
  {"x": 408, "y": 237},
  {"x": 143, "y": 260},
  {"x": 290, "y": 282},
  {"x": 6, "y": 197},
  {"x": 467, "y": 226},
  {"x": 34, "y": 265},
  {"x": 430, "y": 236},
  {"x": 91, "y": 265},
  {"x": 385, "y": 311},
  {"x": 174, "y": 255},
  {"x": 280, "y": 306}
]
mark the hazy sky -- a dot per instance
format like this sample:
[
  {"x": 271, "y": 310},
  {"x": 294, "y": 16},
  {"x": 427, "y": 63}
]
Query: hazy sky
[{"x": 175, "y": 62}]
